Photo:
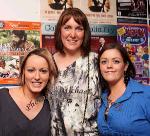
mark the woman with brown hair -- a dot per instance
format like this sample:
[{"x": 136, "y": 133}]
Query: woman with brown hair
[{"x": 76, "y": 91}]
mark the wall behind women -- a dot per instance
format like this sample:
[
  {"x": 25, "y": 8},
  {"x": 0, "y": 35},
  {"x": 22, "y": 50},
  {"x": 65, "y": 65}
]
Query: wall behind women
[{"x": 20, "y": 10}]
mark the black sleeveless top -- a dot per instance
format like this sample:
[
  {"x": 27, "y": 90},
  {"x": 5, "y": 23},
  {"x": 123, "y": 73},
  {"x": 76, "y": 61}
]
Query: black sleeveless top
[{"x": 14, "y": 123}]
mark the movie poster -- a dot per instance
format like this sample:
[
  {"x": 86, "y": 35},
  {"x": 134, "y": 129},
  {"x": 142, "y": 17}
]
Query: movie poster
[
  {"x": 16, "y": 39},
  {"x": 133, "y": 35},
  {"x": 132, "y": 8}
]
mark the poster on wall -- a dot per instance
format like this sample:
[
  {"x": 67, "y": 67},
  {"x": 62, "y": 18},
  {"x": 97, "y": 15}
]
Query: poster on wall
[
  {"x": 133, "y": 35},
  {"x": 50, "y": 10},
  {"x": 132, "y": 8},
  {"x": 101, "y": 35},
  {"x": 48, "y": 36},
  {"x": 98, "y": 11},
  {"x": 17, "y": 38}
]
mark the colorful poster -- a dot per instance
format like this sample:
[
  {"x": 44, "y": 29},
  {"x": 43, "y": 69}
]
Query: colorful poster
[
  {"x": 133, "y": 34},
  {"x": 132, "y": 8},
  {"x": 16, "y": 39}
]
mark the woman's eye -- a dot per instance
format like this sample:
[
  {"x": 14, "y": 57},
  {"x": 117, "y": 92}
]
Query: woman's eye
[
  {"x": 44, "y": 70},
  {"x": 80, "y": 28},
  {"x": 66, "y": 27},
  {"x": 103, "y": 62},
  {"x": 116, "y": 61},
  {"x": 30, "y": 70}
]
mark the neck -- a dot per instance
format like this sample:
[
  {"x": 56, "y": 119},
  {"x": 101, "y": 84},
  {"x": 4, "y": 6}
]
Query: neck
[
  {"x": 116, "y": 90},
  {"x": 28, "y": 94},
  {"x": 73, "y": 54}
]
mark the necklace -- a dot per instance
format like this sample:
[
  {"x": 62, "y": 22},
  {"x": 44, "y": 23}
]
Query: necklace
[
  {"x": 33, "y": 103},
  {"x": 110, "y": 102}
]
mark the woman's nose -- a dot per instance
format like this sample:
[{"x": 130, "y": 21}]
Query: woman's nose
[
  {"x": 109, "y": 64},
  {"x": 37, "y": 75},
  {"x": 73, "y": 33}
]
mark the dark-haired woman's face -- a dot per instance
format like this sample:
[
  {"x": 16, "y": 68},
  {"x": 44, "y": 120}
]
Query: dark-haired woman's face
[
  {"x": 72, "y": 35},
  {"x": 112, "y": 66}
]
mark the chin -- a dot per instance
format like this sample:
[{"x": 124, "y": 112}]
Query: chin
[
  {"x": 110, "y": 80},
  {"x": 36, "y": 90}
]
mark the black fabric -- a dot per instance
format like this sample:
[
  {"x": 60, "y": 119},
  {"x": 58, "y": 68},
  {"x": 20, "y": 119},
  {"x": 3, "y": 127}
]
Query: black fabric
[{"x": 14, "y": 123}]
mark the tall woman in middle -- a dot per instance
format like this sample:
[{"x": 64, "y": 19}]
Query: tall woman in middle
[{"x": 74, "y": 98}]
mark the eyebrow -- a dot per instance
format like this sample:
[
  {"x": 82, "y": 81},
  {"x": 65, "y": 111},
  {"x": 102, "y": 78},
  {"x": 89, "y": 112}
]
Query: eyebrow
[{"x": 112, "y": 58}]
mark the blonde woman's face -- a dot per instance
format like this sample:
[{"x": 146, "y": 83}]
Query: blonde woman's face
[{"x": 36, "y": 73}]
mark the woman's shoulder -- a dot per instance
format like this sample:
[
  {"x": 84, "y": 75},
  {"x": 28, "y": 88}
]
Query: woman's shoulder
[
  {"x": 135, "y": 83},
  {"x": 93, "y": 54},
  {"x": 56, "y": 55},
  {"x": 3, "y": 92},
  {"x": 146, "y": 89},
  {"x": 141, "y": 87},
  {"x": 142, "y": 90}
]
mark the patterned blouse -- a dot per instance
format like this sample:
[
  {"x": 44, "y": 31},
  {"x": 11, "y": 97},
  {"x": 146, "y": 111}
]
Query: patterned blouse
[{"x": 68, "y": 99}]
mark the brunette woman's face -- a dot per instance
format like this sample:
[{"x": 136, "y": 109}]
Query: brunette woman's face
[
  {"x": 72, "y": 35},
  {"x": 36, "y": 74},
  {"x": 112, "y": 66}
]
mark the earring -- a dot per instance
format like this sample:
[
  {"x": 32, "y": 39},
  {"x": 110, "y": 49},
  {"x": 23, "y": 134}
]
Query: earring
[{"x": 126, "y": 78}]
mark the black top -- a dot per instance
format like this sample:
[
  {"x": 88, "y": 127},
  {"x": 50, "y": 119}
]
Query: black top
[{"x": 14, "y": 123}]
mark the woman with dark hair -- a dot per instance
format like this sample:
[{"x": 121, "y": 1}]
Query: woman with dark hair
[
  {"x": 25, "y": 111},
  {"x": 75, "y": 94},
  {"x": 125, "y": 106}
]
